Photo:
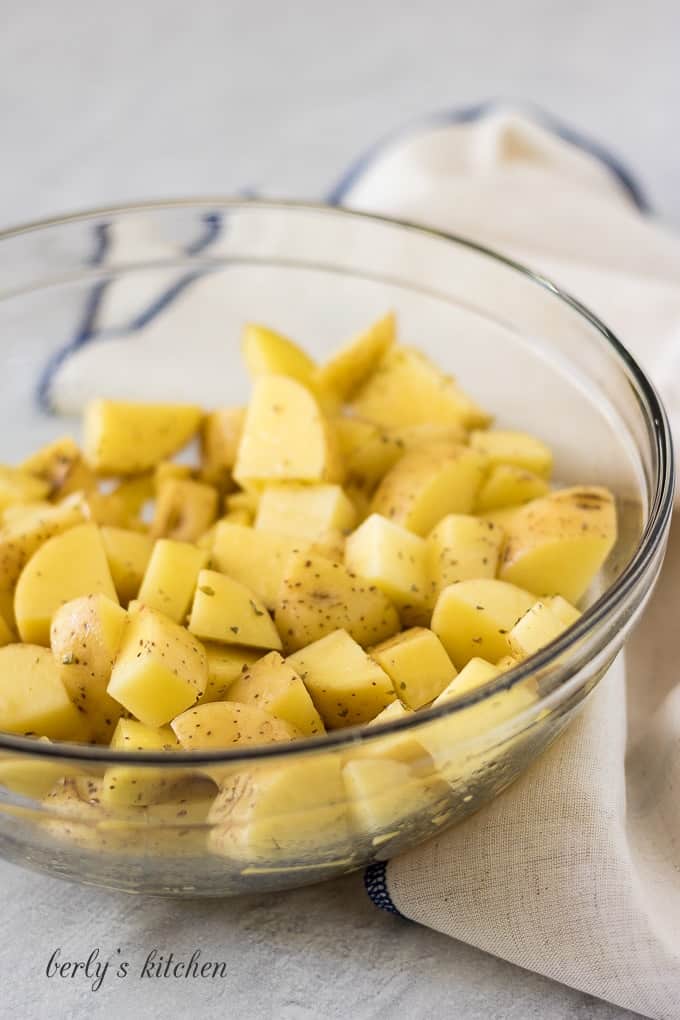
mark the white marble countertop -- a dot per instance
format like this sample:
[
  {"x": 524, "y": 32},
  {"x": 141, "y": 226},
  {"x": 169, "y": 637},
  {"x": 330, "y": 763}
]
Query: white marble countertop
[{"x": 100, "y": 105}]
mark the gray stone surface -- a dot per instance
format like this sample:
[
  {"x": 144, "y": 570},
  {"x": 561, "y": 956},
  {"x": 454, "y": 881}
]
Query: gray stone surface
[{"x": 105, "y": 103}]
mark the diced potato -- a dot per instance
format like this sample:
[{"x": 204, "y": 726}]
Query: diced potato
[
  {"x": 220, "y": 437},
  {"x": 61, "y": 466},
  {"x": 132, "y": 494},
  {"x": 128, "y": 554},
  {"x": 462, "y": 548},
  {"x": 243, "y": 500},
  {"x": 412, "y": 437},
  {"x": 254, "y": 558},
  {"x": 268, "y": 353},
  {"x": 387, "y": 795},
  {"x": 319, "y": 596},
  {"x": 285, "y": 437},
  {"x": 272, "y": 684},
  {"x": 107, "y": 508},
  {"x": 33, "y": 698},
  {"x": 538, "y": 627},
  {"x": 225, "y": 610},
  {"x": 506, "y": 663},
  {"x": 354, "y": 363},
  {"x": 139, "y": 785},
  {"x": 16, "y": 512},
  {"x": 473, "y": 618},
  {"x": 407, "y": 389},
  {"x": 556, "y": 545},
  {"x": 32, "y": 777},
  {"x": 367, "y": 450},
  {"x": 305, "y": 511},
  {"x": 241, "y": 516},
  {"x": 225, "y": 666},
  {"x": 65, "y": 567},
  {"x": 402, "y": 747},
  {"x": 509, "y": 485},
  {"x": 123, "y": 438},
  {"x": 563, "y": 610},
  {"x": 228, "y": 724},
  {"x": 429, "y": 483},
  {"x": 85, "y": 636},
  {"x": 346, "y": 685},
  {"x": 390, "y": 557},
  {"x": 184, "y": 509},
  {"x": 20, "y": 487},
  {"x": 474, "y": 674},
  {"x": 160, "y": 670},
  {"x": 170, "y": 579},
  {"x": 417, "y": 663},
  {"x": 502, "y": 446},
  {"x": 502, "y": 517}
]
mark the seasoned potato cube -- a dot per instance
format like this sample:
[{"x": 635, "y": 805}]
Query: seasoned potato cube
[
  {"x": 225, "y": 665},
  {"x": 305, "y": 511},
  {"x": 20, "y": 487},
  {"x": 225, "y": 610},
  {"x": 346, "y": 685},
  {"x": 502, "y": 518},
  {"x": 407, "y": 389},
  {"x": 33, "y": 698},
  {"x": 400, "y": 747},
  {"x": 563, "y": 610},
  {"x": 139, "y": 785},
  {"x": 474, "y": 674},
  {"x": 184, "y": 509},
  {"x": 107, "y": 508},
  {"x": 254, "y": 558},
  {"x": 385, "y": 795},
  {"x": 353, "y": 364},
  {"x": 367, "y": 450},
  {"x": 509, "y": 485},
  {"x": 131, "y": 495},
  {"x": 429, "y": 483},
  {"x": 32, "y": 777},
  {"x": 128, "y": 554},
  {"x": 461, "y": 548},
  {"x": 220, "y": 436},
  {"x": 390, "y": 557},
  {"x": 319, "y": 596},
  {"x": 285, "y": 437},
  {"x": 417, "y": 664},
  {"x": 268, "y": 353},
  {"x": 122, "y": 438},
  {"x": 538, "y": 627},
  {"x": 272, "y": 684},
  {"x": 556, "y": 545},
  {"x": 170, "y": 579},
  {"x": 61, "y": 467},
  {"x": 501, "y": 446},
  {"x": 65, "y": 567},
  {"x": 224, "y": 724},
  {"x": 161, "y": 669},
  {"x": 85, "y": 636},
  {"x": 473, "y": 618}
]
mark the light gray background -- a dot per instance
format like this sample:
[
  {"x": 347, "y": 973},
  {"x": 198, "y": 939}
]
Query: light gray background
[{"x": 101, "y": 104}]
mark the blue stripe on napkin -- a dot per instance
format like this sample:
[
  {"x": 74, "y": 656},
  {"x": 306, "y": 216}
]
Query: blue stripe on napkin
[{"x": 375, "y": 883}]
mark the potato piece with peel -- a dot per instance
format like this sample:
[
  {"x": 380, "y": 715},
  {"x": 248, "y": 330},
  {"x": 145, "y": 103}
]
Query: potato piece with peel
[
  {"x": 387, "y": 795},
  {"x": 85, "y": 636},
  {"x": 225, "y": 610},
  {"x": 286, "y": 438},
  {"x": 390, "y": 557},
  {"x": 350, "y": 366},
  {"x": 319, "y": 596},
  {"x": 417, "y": 664},
  {"x": 268, "y": 353},
  {"x": 65, "y": 567},
  {"x": 271, "y": 683},
  {"x": 306, "y": 512},
  {"x": 502, "y": 517},
  {"x": 556, "y": 545},
  {"x": 220, "y": 437},
  {"x": 228, "y": 724},
  {"x": 184, "y": 509},
  {"x": 160, "y": 670},
  {"x": 124, "y": 438},
  {"x": 61, "y": 467},
  {"x": 171, "y": 576},
  {"x": 128, "y": 554},
  {"x": 225, "y": 666},
  {"x": 461, "y": 548},
  {"x": 407, "y": 389},
  {"x": 538, "y": 627},
  {"x": 502, "y": 446},
  {"x": 33, "y": 698},
  {"x": 509, "y": 485},
  {"x": 254, "y": 558},
  {"x": 18, "y": 486},
  {"x": 429, "y": 483},
  {"x": 473, "y": 618},
  {"x": 345, "y": 684},
  {"x": 139, "y": 785}
]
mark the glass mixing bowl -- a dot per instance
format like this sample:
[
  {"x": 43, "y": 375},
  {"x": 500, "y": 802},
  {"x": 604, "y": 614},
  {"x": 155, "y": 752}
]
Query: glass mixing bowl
[{"x": 147, "y": 302}]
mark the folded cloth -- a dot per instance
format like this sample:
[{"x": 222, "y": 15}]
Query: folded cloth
[{"x": 574, "y": 871}]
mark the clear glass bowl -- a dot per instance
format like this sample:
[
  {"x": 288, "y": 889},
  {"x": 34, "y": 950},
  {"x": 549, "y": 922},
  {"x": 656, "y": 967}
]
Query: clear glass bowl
[{"x": 163, "y": 290}]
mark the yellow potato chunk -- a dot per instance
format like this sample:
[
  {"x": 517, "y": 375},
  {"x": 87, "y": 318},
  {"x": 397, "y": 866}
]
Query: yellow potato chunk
[
  {"x": 305, "y": 511},
  {"x": 65, "y": 567},
  {"x": 108, "y": 508},
  {"x": 502, "y": 446},
  {"x": 227, "y": 724},
  {"x": 33, "y": 698},
  {"x": 225, "y": 665},
  {"x": 32, "y": 777},
  {"x": 386, "y": 795},
  {"x": 132, "y": 494},
  {"x": 429, "y": 483},
  {"x": 121, "y": 438},
  {"x": 61, "y": 467},
  {"x": 165, "y": 471},
  {"x": 85, "y": 636},
  {"x": 390, "y": 557},
  {"x": 160, "y": 669},
  {"x": 18, "y": 486},
  {"x": 128, "y": 554},
  {"x": 509, "y": 485},
  {"x": 346, "y": 685},
  {"x": 473, "y": 618},
  {"x": 461, "y": 548},
  {"x": 563, "y": 610},
  {"x": 268, "y": 353},
  {"x": 319, "y": 596},
  {"x": 248, "y": 501},
  {"x": 556, "y": 545},
  {"x": 139, "y": 785},
  {"x": 417, "y": 664},
  {"x": 220, "y": 437},
  {"x": 538, "y": 627},
  {"x": 368, "y": 451},
  {"x": 475, "y": 674},
  {"x": 400, "y": 747},
  {"x": 184, "y": 509},
  {"x": 407, "y": 389},
  {"x": 225, "y": 610},
  {"x": 285, "y": 437},
  {"x": 254, "y": 558},
  {"x": 353, "y": 364},
  {"x": 272, "y": 684},
  {"x": 170, "y": 579}
]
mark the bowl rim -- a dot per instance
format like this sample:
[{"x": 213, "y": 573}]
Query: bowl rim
[{"x": 653, "y": 535}]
